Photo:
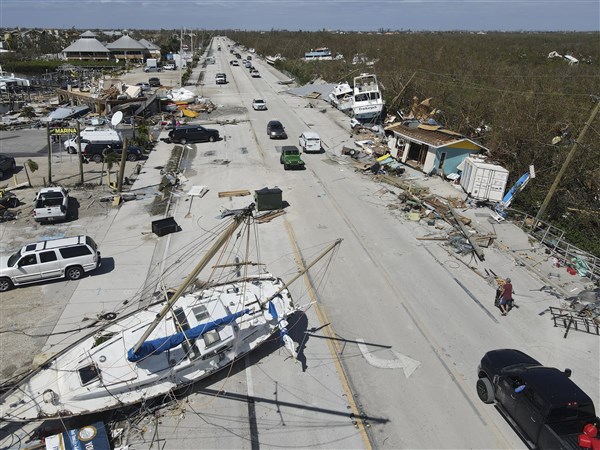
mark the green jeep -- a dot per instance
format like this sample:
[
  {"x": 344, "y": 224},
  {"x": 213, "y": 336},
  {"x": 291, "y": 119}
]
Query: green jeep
[{"x": 290, "y": 157}]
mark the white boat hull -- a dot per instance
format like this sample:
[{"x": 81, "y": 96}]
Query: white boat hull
[
  {"x": 90, "y": 377},
  {"x": 367, "y": 112}
]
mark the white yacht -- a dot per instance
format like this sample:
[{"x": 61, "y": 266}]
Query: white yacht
[{"x": 367, "y": 101}]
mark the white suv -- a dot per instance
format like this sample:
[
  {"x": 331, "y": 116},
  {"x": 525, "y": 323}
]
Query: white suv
[
  {"x": 259, "y": 105},
  {"x": 169, "y": 67},
  {"x": 57, "y": 258}
]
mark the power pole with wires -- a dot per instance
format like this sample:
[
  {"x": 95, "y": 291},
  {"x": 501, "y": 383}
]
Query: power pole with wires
[{"x": 563, "y": 169}]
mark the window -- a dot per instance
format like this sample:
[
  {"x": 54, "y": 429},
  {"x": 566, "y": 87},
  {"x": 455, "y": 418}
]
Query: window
[
  {"x": 89, "y": 374},
  {"x": 48, "y": 256},
  {"x": 75, "y": 251},
  {"x": 200, "y": 312},
  {"x": 211, "y": 337},
  {"x": 28, "y": 260},
  {"x": 442, "y": 160}
]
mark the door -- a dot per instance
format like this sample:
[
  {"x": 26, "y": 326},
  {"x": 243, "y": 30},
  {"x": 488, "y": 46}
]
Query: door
[
  {"x": 506, "y": 395},
  {"x": 27, "y": 269},
  {"x": 50, "y": 267},
  {"x": 528, "y": 413}
]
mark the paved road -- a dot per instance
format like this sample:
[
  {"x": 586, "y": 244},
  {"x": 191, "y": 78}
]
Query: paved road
[{"x": 395, "y": 330}]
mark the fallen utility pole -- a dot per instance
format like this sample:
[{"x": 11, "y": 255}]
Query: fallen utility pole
[{"x": 466, "y": 234}]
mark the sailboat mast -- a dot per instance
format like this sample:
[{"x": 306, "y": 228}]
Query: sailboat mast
[
  {"x": 237, "y": 220},
  {"x": 306, "y": 269}
]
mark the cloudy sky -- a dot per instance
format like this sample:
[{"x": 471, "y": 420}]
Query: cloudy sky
[{"x": 509, "y": 15}]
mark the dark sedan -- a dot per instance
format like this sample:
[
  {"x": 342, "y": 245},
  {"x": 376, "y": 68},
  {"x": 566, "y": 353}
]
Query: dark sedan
[
  {"x": 275, "y": 130},
  {"x": 193, "y": 133}
]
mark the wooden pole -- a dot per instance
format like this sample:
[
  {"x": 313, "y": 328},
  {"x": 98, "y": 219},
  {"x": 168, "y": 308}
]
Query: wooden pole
[
  {"x": 563, "y": 169},
  {"x": 122, "y": 166},
  {"x": 49, "y": 153},
  {"x": 79, "y": 155}
]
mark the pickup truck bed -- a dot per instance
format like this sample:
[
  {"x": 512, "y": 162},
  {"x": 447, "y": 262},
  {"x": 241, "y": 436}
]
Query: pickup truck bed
[{"x": 51, "y": 204}]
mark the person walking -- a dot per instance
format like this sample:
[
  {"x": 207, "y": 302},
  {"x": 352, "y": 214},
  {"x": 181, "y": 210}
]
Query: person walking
[{"x": 506, "y": 299}]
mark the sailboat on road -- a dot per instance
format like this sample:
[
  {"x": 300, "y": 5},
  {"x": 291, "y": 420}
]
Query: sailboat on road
[{"x": 191, "y": 334}]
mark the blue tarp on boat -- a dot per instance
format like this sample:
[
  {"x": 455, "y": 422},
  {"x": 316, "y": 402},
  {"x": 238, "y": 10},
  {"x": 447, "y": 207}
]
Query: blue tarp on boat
[{"x": 158, "y": 346}]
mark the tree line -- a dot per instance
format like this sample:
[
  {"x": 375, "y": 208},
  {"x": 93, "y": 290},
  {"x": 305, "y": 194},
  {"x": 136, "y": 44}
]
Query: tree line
[{"x": 501, "y": 89}]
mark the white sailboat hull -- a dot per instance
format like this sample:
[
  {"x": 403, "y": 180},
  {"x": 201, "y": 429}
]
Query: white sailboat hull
[{"x": 95, "y": 375}]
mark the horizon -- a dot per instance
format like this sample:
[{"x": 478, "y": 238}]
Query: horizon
[{"x": 308, "y": 15}]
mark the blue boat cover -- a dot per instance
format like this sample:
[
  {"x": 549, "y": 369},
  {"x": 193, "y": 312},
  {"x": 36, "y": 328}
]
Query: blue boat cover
[{"x": 158, "y": 346}]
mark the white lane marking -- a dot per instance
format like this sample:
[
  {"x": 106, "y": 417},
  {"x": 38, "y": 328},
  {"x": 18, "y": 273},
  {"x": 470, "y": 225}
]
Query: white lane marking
[{"x": 403, "y": 362}]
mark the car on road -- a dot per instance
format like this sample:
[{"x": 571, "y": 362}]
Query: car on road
[
  {"x": 255, "y": 73},
  {"x": 542, "y": 404},
  {"x": 98, "y": 151},
  {"x": 193, "y": 133},
  {"x": 234, "y": 62},
  {"x": 259, "y": 105},
  {"x": 7, "y": 165},
  {"x": 154, "y": 81},
  {"x": 275, "y": 130},
  {"x": 169, "y": 67},
  {"x": 290, "y": 157},
  {"x": 152, "y": 69},
  {"x": 144, "y": 86},
  {"x": 221, "y": 78}
]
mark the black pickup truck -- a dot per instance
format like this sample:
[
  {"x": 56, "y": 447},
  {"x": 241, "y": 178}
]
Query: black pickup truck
[{"x": 546, "y": 408}]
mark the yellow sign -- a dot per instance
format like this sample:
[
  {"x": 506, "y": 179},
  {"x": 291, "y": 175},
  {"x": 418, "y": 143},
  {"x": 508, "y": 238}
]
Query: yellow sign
[{"x": 62, "y": 131}]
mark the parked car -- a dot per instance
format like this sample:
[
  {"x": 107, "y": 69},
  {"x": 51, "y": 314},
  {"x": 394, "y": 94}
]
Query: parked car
[
  {"x": 154, "y": 81},
  {"x": 193, "y": 133},
  {"x": 67, "y": 257},
  {"x": 169, "y": 67},
  {"x": 290, "y": 157},
  {"x": 7, "y": 165},
  {"x": 97, "y": 151},
  {"x": 51, "y": 204},
  {"x": 542, "y": 404},
  {"x": 144, "y": 86},
  {"x": 275, "y": 130},
  {"x": 152, "y": 69},
  {"x": 259, "y": 105}
]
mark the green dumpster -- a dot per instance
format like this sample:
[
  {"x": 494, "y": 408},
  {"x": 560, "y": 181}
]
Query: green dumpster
[{"x": 268, "y": 199}]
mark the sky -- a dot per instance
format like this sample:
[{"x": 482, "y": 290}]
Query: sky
[{"x": 307, "y": 15}]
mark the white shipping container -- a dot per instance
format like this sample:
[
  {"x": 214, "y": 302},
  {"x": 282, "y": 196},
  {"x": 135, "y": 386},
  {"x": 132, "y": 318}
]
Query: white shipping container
[{"x": 484, "y": 181}]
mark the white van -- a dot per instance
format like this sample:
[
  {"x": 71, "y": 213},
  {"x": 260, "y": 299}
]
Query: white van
[
  {"x": 57, "y": 258},
  {"x": 310, "y": 142},
  {"x": 92, "y": 134}
]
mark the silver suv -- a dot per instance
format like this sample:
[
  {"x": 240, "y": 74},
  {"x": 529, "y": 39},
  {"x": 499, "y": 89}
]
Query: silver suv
[{"x": 56, "y": 258}]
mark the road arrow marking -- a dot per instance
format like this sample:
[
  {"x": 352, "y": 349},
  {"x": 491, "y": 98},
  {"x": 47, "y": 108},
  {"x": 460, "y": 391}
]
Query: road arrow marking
[{"x": 403, "y": 362}]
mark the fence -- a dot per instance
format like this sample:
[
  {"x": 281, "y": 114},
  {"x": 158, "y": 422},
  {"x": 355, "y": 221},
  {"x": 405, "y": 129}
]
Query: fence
[{"x": 586, "y": 264}]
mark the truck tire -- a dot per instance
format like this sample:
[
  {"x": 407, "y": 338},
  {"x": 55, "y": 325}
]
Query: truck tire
[
  {"x": 5, "y": 284},
  {"x": 286, "y": 166},
  {"x": 485, "y": 390},
  {"x": 183, "y": 141},
  {"x": 97, "y": 158},
  {"x": 71, "y": 150},
  {"x": 74, "y": 273}
]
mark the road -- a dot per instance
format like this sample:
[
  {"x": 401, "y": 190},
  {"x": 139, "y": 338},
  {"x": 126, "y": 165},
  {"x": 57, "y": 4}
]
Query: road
[{"x": 394, "y": 330}]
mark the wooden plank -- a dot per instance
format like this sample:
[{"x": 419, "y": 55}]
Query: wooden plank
[{"x": 239, "y": 193}]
